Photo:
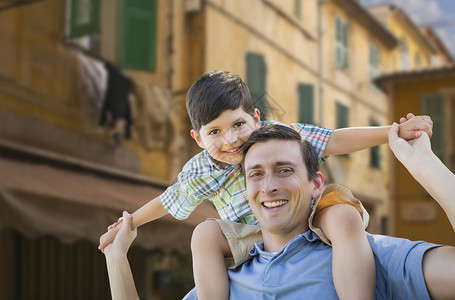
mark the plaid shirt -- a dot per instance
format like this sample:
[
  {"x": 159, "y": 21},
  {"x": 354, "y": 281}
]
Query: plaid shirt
[{"x": 202, "y": 179}]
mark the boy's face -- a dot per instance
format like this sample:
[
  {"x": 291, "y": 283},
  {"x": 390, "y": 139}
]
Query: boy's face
[{"x": 225, "y": 136}]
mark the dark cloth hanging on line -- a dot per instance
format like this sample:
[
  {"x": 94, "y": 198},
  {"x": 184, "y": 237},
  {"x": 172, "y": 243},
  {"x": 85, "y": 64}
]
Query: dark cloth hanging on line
[{"x": 116, "y": 103}]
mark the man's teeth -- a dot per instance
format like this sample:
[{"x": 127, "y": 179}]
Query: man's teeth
[{"x": 274, "y": 203}]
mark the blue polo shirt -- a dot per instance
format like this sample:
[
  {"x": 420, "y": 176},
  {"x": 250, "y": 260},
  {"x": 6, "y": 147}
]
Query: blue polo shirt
[{"x": 303, "y": 269}]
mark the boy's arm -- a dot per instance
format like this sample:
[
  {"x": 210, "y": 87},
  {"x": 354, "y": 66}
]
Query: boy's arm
[
  {"x": 438, "y": 263},
  {"x": 347, "y": 140},
  {"x": 152, "y": 210}
]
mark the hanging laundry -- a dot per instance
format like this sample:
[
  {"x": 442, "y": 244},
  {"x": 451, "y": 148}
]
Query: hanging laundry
[{"x": 116, "y": 104}]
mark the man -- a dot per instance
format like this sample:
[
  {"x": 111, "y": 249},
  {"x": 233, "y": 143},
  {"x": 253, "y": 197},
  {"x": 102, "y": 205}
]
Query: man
[{"x": 282, "y": 180}]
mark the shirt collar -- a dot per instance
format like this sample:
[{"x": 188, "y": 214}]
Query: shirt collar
[
  {"x": 306, "y": 237},
  {"x": 213, "y": 162}
]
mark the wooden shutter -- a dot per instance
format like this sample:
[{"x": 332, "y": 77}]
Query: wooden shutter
[
  {"x": 306, "y": 103},
  {"x": 342, "y": 115},
  {"x": 375, "y": 155},
  {"x": 138, "y": 40},
  {"x": 256, "y": 80},
  {"x": 434, "y": 105},
  {"x": 341, "y": 43}
]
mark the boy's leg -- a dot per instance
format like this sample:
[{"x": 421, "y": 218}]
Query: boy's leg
[
  {"x": 353, "y": 267},
  {"x": 209, "y": 248}
]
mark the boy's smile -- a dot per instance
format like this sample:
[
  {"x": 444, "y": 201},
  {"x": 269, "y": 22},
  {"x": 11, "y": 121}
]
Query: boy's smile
[{"x": 225, "y": 136}]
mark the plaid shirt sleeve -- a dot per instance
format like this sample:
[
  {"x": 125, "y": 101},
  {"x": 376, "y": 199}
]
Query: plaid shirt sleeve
[
  {"x": 318, "y": 136},
  {"x": 195, "y": 183}
]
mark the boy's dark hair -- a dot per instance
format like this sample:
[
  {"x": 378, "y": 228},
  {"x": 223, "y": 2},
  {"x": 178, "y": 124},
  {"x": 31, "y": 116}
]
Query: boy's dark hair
[
  {"x": 215, "y": 92},
  {"x": 284, "y": 133}
]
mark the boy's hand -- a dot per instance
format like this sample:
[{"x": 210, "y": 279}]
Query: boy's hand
[
  {"x": 109, "y": 236},
  {"x": 412, "y": 126},
  {"x": 123, "y": 239},
  {"x": 409, "y": 152}
]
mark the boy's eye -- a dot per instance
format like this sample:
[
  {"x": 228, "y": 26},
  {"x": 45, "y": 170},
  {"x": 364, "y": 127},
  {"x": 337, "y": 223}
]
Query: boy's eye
[
  {"x": 214, "y": 131},
  {"x": 238, "y": 124}
]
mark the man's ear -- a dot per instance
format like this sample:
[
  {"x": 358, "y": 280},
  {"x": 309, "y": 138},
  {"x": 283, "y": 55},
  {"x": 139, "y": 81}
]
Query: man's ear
[
  {"x": 197, "y": 138},
  {"x": 257, "y": 118},
  {"x": 318, "y": 185}
]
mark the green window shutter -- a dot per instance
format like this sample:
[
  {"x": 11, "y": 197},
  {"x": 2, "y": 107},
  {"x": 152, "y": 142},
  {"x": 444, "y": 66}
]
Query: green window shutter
[
  {"x": 256, "y": 80},
  {"x": 298, "y": 9},
  {"x": 434, "y": 106},
  {"x": 138, "y": 40},
  {"x": 338, "y": 44},
  {"x": 341, "y": 43},
  {"x": 345, "y": 45},
  {"x": 84, "y": 17},
  {"x": 306, "y": 103},
  {"x": 375, "y": 155},
  {"x": 342, "y": 115}
]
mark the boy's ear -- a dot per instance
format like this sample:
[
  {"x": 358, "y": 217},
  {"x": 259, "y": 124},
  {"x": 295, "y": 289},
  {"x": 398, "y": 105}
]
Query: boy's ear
[
  {"x": 197, "y": 138},
  {"x": 257, "y": 118}
]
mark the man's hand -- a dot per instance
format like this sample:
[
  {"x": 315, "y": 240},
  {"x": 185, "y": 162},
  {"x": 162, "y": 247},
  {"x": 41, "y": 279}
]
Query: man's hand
[
  {"x": 408, "y": 152},
  {"x": 123, "y": 238},
  {"x": 412, "y": 127},
  {"x": 109, "y": 236}
]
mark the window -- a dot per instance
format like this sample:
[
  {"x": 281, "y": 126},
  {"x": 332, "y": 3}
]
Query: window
[
  {"x": 298, "y": 9},
  {"x": 84, "y": 18},
  {"x": 434, "y": 106},
  {"x": 341, "y": 43},
  {"x": 433, "y": 61},
  {"x": 342, "y": 115},
  {"x": 256, "y": 79},
  {"x": 342, "y": 120},
  {"x": 375, "y": 155},
  {"x": 418, "y": 61},
  {"x": 374, "y": 61},
  {"x": 306, "y": 103},
  {"x": 138, "y": 38},
  {"x": 84, "y": 24},
  {"x": 404, "y": 54}
]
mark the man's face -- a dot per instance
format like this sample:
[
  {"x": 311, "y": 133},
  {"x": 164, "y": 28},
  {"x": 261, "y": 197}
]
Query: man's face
[
  {"x": 225, "y": 136},
  {"x": 278, "y": 188}
]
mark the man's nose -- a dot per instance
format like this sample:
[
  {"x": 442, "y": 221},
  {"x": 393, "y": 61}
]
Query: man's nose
[{"x": 269, "y": 185}]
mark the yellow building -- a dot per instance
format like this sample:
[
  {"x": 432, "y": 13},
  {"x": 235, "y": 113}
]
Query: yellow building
[
  {"x": 356, "y": 49},
  {"x": 64, "y": 178},
  {"x": 76, "y": 78},
  {"x": 429, "y": 92},
  {"x": 414, "y": 51}
]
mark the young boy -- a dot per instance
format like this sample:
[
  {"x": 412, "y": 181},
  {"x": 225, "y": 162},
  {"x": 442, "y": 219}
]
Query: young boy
[{"x": 223, "y": 117}]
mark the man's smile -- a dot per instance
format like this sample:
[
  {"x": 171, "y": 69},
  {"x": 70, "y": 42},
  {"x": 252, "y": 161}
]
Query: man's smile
[{"x": 274, "y": 203}]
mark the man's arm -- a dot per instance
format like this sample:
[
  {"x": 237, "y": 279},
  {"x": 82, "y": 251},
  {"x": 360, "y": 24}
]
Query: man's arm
[
  {"x": 426, "y": 168},
  {"x": 120, "y": 277},
  {"x": 438, "y": 263},
  {"x": 348, "y": 140}
]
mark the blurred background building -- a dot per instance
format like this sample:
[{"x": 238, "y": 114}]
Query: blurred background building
[{"x": 93, "y": 121}]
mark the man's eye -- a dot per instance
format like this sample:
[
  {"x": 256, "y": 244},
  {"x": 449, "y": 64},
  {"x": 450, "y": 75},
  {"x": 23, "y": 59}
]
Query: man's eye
[
  {"x": 285, "y": 170},
  {"x": 238, "y": 124},
  {"x": 254, "y": 174},
  {"x": 214, "y": 131}
]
